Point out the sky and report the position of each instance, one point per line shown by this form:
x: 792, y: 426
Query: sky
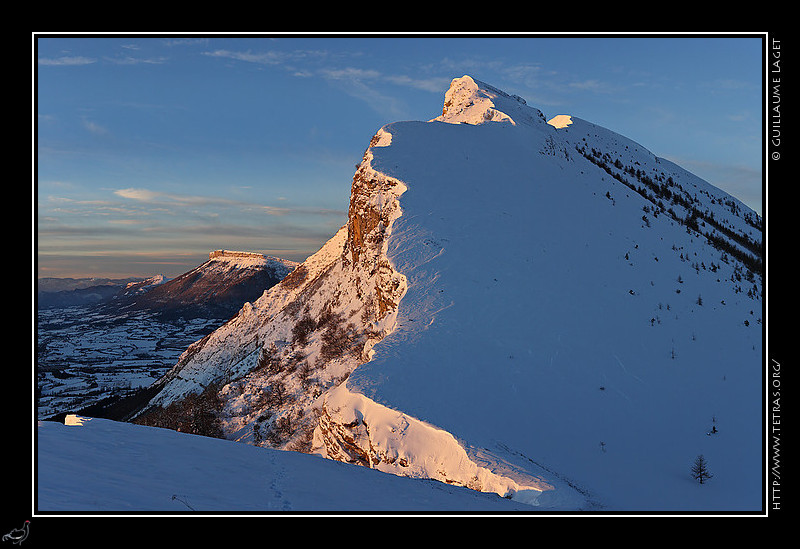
x: 153, y: 150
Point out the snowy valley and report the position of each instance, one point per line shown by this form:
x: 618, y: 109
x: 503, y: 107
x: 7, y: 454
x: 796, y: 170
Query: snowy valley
x: 518, y: 316
x: 99, y: 340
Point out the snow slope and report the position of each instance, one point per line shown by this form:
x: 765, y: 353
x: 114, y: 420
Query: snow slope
x: 94, y: 465
x: 528, y: 312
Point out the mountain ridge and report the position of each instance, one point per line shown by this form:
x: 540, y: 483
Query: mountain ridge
x: 522, y: 286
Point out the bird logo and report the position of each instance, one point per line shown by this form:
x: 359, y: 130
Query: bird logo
x: 18, y: 535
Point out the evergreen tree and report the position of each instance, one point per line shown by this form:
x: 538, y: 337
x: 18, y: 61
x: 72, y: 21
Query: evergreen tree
x: 700, y: 470
x: 257, y: 434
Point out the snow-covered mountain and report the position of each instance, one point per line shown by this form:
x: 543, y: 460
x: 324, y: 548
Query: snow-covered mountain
x: 140, y: 287
x: 53, y: 293
x: 546, y: 311
x: 216, y: 288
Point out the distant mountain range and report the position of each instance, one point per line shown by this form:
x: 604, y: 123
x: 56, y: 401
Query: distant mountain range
x: 70, y: 292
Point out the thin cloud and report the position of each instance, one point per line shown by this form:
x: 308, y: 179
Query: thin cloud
x: 272, y: 210
x: 266, y: 58
x: 350, y: 73
x: 158, y: 197
x: 126, y: 221
x: 364, y: 84
x: 435, y: 85
x: 342, y: 74
x: 354, y: 74
x: 142, y: 195
x: 270, y: 57
x: 66, y: 61
x: 129, y: 60
x: 378, y: 101
x: 593, y: 85
x: 77, y: 60
x: 171, y: 199
x: 65, y: 200
x: 186, y: 41
x: 94, y: 128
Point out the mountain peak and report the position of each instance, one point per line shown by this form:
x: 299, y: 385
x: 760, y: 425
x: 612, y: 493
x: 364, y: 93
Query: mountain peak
x: 471, y: 101
x: 228, y: 260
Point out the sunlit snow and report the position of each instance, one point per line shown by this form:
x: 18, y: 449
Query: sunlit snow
x: 560, y: 121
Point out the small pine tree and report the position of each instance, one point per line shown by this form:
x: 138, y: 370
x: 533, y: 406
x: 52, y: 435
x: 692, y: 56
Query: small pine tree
x: 304, y: 374
x: 278, y: 395
x: 304, y: 327
x: 269, y: 360
x: 700, y: 470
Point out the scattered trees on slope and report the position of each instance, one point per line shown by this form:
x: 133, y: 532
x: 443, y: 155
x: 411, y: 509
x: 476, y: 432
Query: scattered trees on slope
x: 197, y: 414
x: 656, y: 189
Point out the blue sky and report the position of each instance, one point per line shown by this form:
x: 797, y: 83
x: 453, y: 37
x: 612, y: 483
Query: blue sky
x: 151, y: 151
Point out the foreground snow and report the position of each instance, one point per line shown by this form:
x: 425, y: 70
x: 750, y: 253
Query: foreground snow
x: 100, y: 465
